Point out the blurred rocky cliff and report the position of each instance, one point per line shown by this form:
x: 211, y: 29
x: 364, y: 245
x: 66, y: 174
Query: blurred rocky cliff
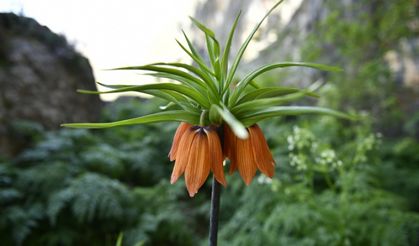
x: 291, y: 37
x: 39, y: 75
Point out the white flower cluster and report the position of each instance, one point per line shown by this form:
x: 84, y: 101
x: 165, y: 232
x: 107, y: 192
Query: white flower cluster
x: 305, y: 152
x: 328, y: 158
x: 300, y: 139
x: 298, y: 161
x: 262, y: 179
x: 366, y: 145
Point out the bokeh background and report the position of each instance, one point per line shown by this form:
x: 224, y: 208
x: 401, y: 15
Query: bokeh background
x: 336, y: 182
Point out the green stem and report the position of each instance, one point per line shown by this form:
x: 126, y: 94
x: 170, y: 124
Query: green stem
x: 215, y: 207
x: 202, y: 118
x: 215, y: 203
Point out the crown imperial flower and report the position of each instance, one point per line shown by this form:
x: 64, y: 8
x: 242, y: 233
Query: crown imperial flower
x: 248, y: 155
x: 209, y: 96
x: 196, y: 150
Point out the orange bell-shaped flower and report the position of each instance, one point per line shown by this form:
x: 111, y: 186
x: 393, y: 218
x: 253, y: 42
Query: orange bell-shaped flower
x: 248, y: 155
x: 196, y: 150
x: 176, y: 139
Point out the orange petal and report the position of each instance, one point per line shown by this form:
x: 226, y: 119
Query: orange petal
x: 229, y: 147
x: 176, y: 139
x: 182, y: 156
x: 245, y: 160
x: 216, y: 156
x: 228, y: 140
x: 198, y: 167
x: 233, y: 167
x: 262, y: 155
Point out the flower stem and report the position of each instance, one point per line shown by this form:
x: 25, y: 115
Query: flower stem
x: 215, y: 207
x: 202, y: 118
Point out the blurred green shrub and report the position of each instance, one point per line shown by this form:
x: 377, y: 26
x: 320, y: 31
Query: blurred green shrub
x: 335, y: 185
x: 80, y: 187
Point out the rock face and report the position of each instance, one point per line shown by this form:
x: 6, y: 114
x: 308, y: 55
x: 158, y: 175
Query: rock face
x: 292, y: 37
x: 39, y: 75
x: 219, y: 15
x: 404, y: 63
x: 404, y: 60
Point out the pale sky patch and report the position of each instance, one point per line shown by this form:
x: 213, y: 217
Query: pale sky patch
x: 114, y: 33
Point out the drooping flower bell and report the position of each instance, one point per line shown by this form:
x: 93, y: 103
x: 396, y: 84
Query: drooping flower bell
x: 196, y: 150
x: 248, y: 155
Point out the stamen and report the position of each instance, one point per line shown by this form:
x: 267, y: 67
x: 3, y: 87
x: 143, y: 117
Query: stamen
x: 194, y: 128
x: 198, y: 129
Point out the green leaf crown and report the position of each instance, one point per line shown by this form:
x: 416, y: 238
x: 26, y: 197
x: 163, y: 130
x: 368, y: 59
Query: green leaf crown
x: 206, y: 93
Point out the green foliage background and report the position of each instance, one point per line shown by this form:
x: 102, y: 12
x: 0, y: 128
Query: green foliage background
x: 336, y: 182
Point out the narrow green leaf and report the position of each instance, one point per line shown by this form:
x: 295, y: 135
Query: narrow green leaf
x: 235, y: 125
x: 192, y: 48
x: 217, y: 69
x: 210, y: 94
x: 119, y: 239
x: 204, y: 76
x: 254, y: 85
x: 211, y: 52
x: 139, y: 243
x: 171, y: 96
x: 213, y: 49
x: 169, y: 105
x: 251, y: 76
x: 254, y: 105
x: 214, y: 116
x: 200, y: 61
x: 271, y: 112
x: 155, y: 93
x: 184, y: 81
x: 175, y: 98
x: 271, y: 92
x: 244, y: 46
x: 174, y: 115
x: 203, y: 28
x: 171, y: 71
x: 112, y: 86
x: 196, y: 58
x: 188, y: 67
x: 184, y: 90
x: 226, y: 97
x: 226, y: 52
